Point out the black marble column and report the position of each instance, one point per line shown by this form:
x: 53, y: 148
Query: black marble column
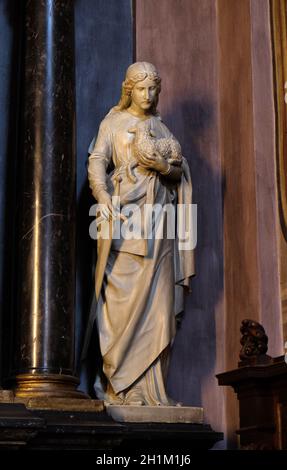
x: 46, y: 259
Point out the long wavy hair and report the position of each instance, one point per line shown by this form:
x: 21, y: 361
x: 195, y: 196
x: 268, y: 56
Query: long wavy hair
x: 130, y: 81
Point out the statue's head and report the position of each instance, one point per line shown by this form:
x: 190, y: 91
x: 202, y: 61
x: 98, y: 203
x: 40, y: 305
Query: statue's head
x: 141, y: 86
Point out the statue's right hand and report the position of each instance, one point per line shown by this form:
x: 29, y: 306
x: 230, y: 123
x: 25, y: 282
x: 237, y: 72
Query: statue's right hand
x: 106, y: 207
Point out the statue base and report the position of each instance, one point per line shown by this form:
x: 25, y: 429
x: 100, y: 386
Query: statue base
x: 155, y: 414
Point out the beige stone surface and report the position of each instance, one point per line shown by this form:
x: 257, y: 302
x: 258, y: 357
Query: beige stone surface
x: 156, y: 414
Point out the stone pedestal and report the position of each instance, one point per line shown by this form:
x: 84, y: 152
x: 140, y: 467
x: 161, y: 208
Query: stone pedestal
x: 156, y: 414
x: 43, y: 429
x: 65, y: 404
x: 53, y: 403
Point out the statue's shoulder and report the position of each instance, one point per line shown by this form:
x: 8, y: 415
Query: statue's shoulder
x: 105, y: 123
x: 104, y: 131
x: 111, y: 118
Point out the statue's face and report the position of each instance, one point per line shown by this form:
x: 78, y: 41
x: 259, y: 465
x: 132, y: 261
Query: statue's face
x: 144, y: 94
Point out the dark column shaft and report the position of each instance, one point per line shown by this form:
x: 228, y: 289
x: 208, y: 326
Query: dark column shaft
x: 46, y: 287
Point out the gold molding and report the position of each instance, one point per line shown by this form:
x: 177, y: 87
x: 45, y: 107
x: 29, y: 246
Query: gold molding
x: 278, y: 10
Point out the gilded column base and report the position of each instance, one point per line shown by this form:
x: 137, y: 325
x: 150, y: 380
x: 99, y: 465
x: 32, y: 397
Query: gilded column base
x: 47, y: 386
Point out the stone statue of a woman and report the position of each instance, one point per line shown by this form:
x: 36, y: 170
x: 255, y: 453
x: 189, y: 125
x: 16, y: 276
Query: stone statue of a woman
x: 139, y: 282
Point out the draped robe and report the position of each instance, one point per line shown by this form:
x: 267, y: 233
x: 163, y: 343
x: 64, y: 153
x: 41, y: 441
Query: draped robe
x: 142, y: 289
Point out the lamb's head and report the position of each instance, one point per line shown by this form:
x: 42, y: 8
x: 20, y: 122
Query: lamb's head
x: 144, y: 141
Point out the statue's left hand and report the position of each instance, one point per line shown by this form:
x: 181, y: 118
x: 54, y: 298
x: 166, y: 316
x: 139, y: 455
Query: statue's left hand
x: 154, y: 162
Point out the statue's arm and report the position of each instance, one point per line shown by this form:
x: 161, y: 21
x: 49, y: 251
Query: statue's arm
x: 99, y: 160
